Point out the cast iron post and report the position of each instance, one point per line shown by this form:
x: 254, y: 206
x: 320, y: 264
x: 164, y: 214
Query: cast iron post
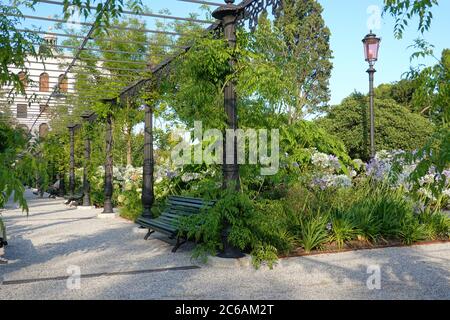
x: 371, y: 71
x: 147, y: 170
x: 107, y: 206
x: 71, y: 128
x: 88, y: 117
x: 228, y: 14
x: 86, y: 183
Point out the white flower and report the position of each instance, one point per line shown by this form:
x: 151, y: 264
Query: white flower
x: 426, y: 179
x: 426, y: 193
x: 128, y: 186
x: 121, y: 198
x: 358, y: 163
x: 342, y: 181
x: 320, y: 159
x: 190, y: 176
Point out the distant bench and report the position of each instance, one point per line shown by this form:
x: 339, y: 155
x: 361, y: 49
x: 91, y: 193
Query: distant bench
x: 168, y: 221
x: 78, y: 197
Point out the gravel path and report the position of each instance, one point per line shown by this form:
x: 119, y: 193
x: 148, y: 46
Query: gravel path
x: 116, y: 263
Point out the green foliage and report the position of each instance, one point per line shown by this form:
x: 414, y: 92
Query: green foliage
x: 257, y: 228
x: 199, y: 77
x: 298, y: 138
x: 435, y: 154
x: 342, y: 229
x: 132, y: 205
x: 368, y: 212
x: 432, y: 94
x: 395, y: 126
x: 437, y: 224
x: 306, y: 56
x: 274, y: 73
x: 404, y: 10
x: 3, y: 230
x: 412, y: 231
x: 312, y: 233
x: 401, y: 92
x: 103, y: 12
x: 12, y: 142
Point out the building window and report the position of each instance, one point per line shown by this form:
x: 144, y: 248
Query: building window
x: 23, y: 78
x: 63, y: 83
x: 43, y: 82
x: 43, y: 130
x: 43, y: 108
x: 22, y: 110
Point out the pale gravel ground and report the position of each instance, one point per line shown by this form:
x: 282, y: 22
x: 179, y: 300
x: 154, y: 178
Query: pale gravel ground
x: 54, y: 238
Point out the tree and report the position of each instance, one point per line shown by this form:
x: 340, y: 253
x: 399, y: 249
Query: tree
x: 396, y: 127
x: 287, y: 63
x: 306, y: 56
x: 401, y: 92
x: 432, y: 94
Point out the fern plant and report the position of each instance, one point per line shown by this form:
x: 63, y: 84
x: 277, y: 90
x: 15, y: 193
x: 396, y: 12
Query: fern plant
x: 254, y: 228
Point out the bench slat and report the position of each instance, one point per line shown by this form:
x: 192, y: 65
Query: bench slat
x: 170, y: 220
x: 189, y: 199
x: 154, y: 223
x: 176, y: 207
x: 167, y: 226
x: 185, y: 204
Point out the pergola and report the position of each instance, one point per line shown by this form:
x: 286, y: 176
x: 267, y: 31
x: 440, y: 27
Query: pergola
x: 228, y: 15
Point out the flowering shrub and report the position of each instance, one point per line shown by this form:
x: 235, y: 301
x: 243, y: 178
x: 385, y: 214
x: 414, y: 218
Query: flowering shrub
x: 387, y: 168
x: 329, y: 172
x: 392, y: 168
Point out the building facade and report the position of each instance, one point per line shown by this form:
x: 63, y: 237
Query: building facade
x: 46, y: 87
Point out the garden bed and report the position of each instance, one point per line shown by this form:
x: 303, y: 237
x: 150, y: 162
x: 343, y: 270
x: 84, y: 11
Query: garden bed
x: 356, y: 246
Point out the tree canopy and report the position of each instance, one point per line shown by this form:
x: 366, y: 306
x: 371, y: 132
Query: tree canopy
x: 396, y: 127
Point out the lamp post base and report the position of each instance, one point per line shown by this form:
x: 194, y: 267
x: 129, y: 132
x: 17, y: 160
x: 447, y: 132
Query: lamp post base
x: 229, y: 251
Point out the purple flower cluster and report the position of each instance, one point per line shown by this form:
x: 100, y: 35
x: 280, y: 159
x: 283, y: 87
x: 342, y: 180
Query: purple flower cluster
x: 379, y: 169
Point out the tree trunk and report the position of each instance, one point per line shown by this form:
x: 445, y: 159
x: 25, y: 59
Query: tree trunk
x: 129, y: 146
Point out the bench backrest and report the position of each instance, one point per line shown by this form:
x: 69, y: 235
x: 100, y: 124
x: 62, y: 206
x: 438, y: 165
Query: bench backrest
x: 183, y: 206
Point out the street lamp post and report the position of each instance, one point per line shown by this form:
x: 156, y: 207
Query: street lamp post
x: 371, y: 45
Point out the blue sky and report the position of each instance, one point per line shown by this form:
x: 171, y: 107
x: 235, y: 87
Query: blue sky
x: 347, y: 20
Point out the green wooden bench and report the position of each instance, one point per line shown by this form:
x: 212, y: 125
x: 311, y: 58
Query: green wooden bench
x: 77, y: 197
x: 168, y: 221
